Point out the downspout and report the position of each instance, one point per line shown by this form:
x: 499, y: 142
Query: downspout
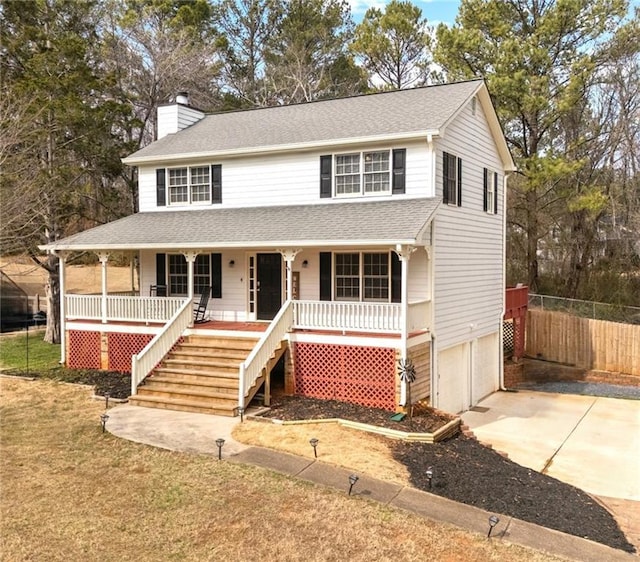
x: 504, y: 282
x: 432, y: 272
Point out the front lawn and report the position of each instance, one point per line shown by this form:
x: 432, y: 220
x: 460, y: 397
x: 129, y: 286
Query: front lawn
x: 27, y: 350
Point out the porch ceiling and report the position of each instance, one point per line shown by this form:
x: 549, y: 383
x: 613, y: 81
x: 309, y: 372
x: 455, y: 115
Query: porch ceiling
x: 361, y: 223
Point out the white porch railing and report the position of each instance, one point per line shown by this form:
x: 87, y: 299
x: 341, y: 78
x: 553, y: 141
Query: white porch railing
x: 122, y: 308
x: 419, y: 316
x: 252, y: 367
x: 353, y: 316
x: 143, y: 363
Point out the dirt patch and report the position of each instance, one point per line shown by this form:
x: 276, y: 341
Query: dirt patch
x: 468, y: 472
x: 289, y: 408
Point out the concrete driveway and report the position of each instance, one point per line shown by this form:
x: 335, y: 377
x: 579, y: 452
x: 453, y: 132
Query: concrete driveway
x: 590, y: 442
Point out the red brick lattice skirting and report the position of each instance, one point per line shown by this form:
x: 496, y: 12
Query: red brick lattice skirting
x: 124, y: 346
x: 84, y: 350
x: 360, y: 375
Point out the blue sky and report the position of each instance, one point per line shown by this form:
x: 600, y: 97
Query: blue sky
x: 435, y: 11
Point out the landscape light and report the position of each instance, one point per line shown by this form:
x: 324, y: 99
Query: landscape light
x: 241, y: 412
x: 314, y: 443
x: 103, y: 419
x: 219, y: 443
x: 106, y: 400
x: 352, y: 480
x: 493, y: 521
x: 429, y: 475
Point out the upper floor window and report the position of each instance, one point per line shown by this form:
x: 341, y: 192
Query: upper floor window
x: 193, y: 185
x: 451, y: 179
x: 363, y: 173
x: 189, y: 185
x: 490, y: 191
x: 376, y: 172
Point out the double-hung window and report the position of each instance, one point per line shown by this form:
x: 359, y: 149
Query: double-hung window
x: 490, y: 191
x: 206, y: 273
x: 189, y: 185
x: 363, y: 173
x: 362, y: 276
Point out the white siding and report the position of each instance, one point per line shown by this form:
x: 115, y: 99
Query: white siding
x: 469, y: 282
x: 285, y: 179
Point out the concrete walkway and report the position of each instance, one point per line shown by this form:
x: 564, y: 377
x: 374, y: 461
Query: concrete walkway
x: 590, y: 442
x: 196, y: 433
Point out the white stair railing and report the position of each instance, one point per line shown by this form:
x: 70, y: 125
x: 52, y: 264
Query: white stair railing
x: 143, y: 363
x: 251, y: 368
x: 352, y: 316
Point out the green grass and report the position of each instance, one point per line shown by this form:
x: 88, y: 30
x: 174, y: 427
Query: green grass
x: 28, y: 351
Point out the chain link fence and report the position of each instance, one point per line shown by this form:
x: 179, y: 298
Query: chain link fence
x: 587, y: 309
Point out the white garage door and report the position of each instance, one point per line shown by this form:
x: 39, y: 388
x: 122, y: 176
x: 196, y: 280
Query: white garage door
x: 486, y: 368
x: 453, y: 378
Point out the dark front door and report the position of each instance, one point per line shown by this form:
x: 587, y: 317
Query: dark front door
x: 269, y: 285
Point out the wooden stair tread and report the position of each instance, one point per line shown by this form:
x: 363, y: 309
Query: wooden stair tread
x: 213, y: 382
x: 199, y: 393
x: 233, y: 375
x: 224, y: 408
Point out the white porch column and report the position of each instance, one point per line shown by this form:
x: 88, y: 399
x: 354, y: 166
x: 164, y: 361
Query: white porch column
x: 62, y: 258
x: 289, y: 255
x: 104, y: 258
x: 404, y: 253
x: 191, y: 258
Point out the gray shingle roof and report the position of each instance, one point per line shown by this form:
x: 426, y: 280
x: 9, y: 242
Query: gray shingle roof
x: 383, y: 114
x: 385, y: 222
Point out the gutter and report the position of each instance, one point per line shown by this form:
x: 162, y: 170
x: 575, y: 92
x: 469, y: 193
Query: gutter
x: 504, y: 280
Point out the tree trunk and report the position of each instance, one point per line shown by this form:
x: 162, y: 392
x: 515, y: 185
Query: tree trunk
x: 52, y: 292
x: 532, y: 239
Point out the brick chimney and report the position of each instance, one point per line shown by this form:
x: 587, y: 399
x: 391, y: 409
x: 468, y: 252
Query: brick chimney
x: 178, y: 115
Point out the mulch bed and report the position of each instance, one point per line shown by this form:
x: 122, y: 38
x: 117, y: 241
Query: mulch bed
x: 466, y: 471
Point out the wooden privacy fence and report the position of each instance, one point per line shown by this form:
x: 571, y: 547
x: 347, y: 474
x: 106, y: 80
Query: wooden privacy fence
x: 583, y: 342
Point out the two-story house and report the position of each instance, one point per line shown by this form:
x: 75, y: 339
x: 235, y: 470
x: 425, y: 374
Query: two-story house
x: 342, y: 235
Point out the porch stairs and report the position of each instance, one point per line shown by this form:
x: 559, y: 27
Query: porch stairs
x: 201, y: 374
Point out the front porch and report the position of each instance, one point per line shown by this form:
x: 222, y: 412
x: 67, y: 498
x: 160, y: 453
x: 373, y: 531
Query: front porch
x: 332, y: 349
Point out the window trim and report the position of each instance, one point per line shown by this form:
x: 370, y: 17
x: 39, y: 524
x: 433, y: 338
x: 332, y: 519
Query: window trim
x: 362, y: 277
x: 491, y: 180
x: 362, y: 173
x: 207, y: 278
x: 189, y: 185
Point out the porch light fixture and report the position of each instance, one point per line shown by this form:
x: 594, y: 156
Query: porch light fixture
x: 219, y: 443
x: 314, y: 443
x: 232, y: 263
x: 493, y: 521
x: 305, y: 264
x: 429, y: 474
x: 352, y: 481
x: 103, y: 420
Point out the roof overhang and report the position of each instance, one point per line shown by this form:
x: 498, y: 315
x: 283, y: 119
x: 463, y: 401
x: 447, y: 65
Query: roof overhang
x: 381, y: 223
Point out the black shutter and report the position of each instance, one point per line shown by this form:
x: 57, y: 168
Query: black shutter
x: 216, y: 183
x: 495, y: 193
x: 326, y: 165
x: 161, y: 188
x: 396, y: 278
x: 399, y: 164
x: 161, y: 275
x: 216, y: 276
x: 325, y: 276
x: 459, y: 182
x: 445, y: 177
x: 486, y: 189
